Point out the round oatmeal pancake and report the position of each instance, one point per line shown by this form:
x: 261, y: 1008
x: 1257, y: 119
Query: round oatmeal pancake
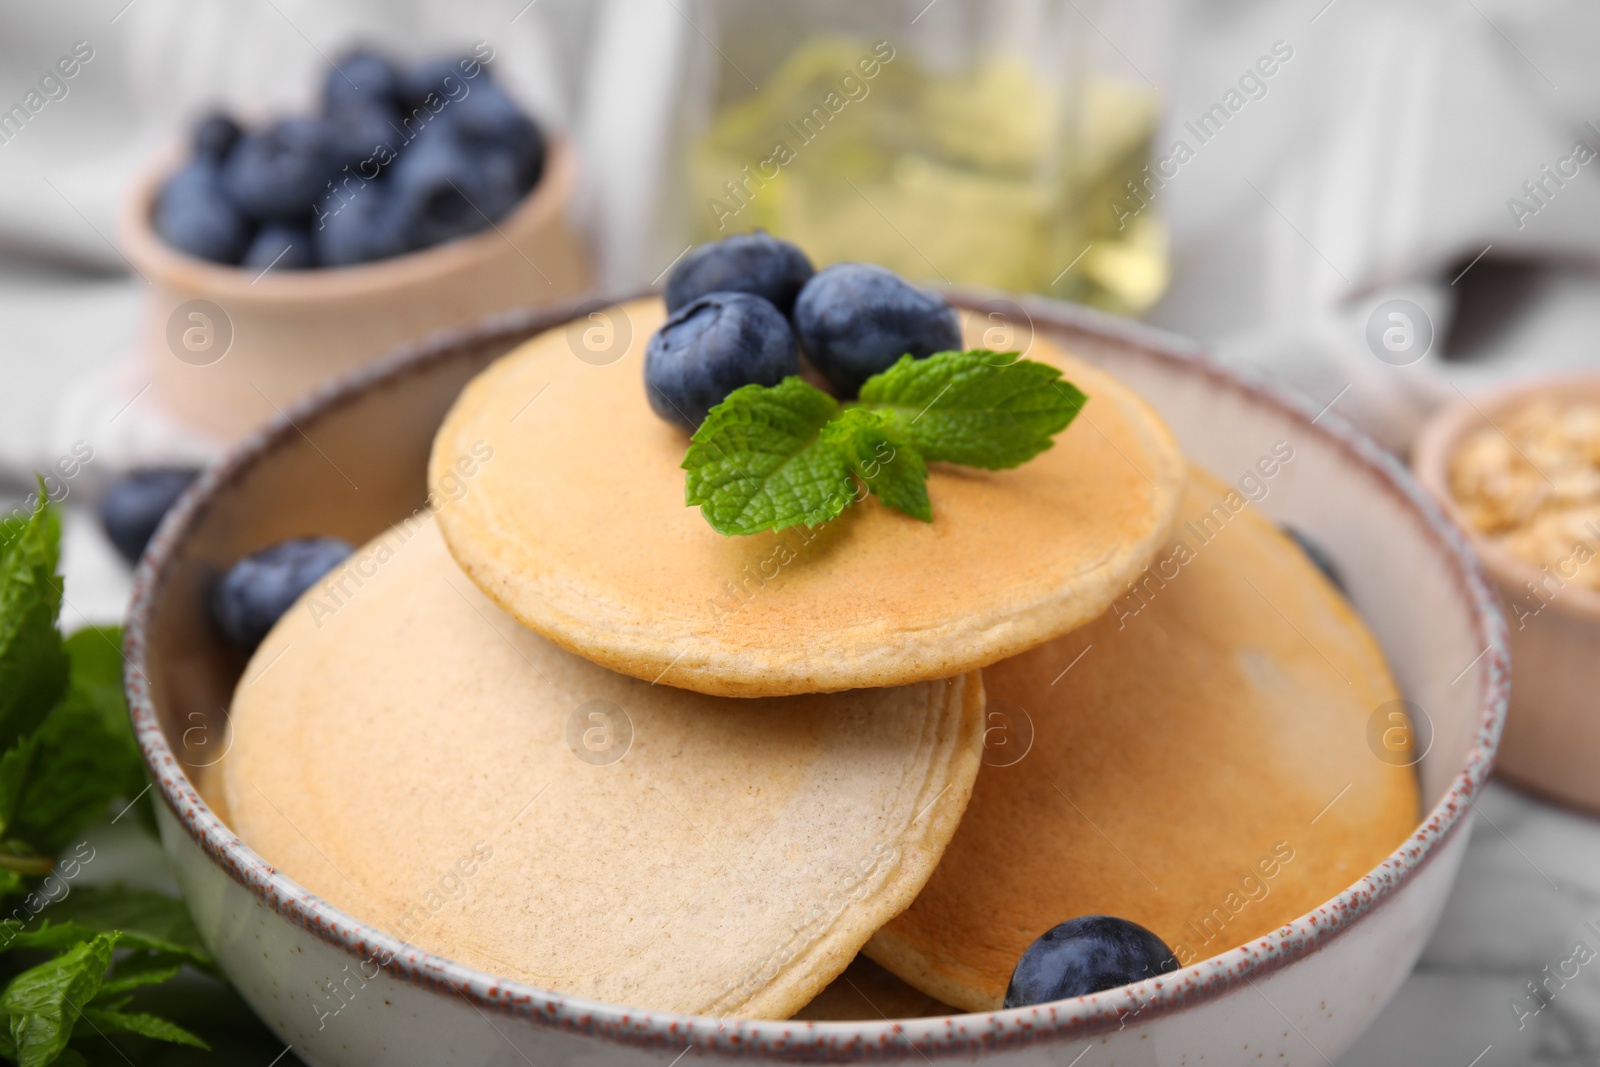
x: 404, y: 750
x: 1197, y: 760
x: 576, y: 526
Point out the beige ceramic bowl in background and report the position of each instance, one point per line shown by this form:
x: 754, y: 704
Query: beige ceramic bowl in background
x: 1552, y: 738
x: 226, y: 348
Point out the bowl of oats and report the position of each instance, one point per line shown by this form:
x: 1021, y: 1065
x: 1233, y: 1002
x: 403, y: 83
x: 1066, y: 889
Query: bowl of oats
x: 1519, y: 469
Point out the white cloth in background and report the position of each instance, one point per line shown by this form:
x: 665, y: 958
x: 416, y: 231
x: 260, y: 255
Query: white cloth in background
x: 1378, y: 165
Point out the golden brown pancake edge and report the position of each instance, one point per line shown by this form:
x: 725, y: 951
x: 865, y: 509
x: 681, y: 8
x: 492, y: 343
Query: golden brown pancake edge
x: 577, y: 527
x: 395, y: 726
x: 1204, y: 770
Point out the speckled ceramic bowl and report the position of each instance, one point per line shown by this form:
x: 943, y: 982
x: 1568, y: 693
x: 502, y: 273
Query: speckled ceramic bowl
x: 350, y: 461
x: 1552, y: 740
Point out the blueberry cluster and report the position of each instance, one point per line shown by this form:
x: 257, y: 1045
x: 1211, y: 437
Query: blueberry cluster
x: 401, y: 158
x: 743, y: 309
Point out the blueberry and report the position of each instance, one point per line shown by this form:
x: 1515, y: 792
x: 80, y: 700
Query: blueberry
x: 360, y: 136
x: 281, y: 246
x: 710, y: 347
x: 441, y: 77
x: 135, y: 502
x: 278, y: 173
x: 195, y: 214
x: 1087, y: 955
x: 443, y: 189
x: 487, y: 120
x: 358, y: 224
x: 1318, y: 556
x: 855, y: 320
x: 756, y: 263
x: 257, y: 590
x: 215, y: 136
x: 361, y: 78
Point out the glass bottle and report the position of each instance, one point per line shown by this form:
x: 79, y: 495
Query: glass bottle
x: 998, y: 143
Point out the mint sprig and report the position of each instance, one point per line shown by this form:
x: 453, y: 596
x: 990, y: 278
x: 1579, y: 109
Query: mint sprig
x: 67, y: 760
x: 770, y: 457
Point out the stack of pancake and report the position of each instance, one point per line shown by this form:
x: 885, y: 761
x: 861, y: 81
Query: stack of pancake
x: 557, y: 727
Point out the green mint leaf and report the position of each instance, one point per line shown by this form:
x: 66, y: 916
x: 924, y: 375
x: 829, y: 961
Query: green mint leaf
x: 62, y: 777
x: 977, y: 408
x: 33, y: 667
x: 141, y: 918
x: 789, y: 455
x: 16, y: 766
x: 135, y: 972
x: 94, y: 655
x: 758, y: 461
x: 882, y: 458
x: 53, y: 936
x: 43, y: 1002
x: 143, y: 1024
x: 95, y: 686
x: 86, y: 979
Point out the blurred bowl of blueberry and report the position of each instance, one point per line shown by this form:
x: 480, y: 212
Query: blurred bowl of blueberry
x: 280, y: 252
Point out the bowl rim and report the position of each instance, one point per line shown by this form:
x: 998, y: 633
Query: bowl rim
x: 153, y: 258
x: 952, y: 1036
x: 1435, y: 445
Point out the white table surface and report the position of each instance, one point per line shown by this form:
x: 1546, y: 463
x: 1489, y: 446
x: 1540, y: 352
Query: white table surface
x: 1528, y: 886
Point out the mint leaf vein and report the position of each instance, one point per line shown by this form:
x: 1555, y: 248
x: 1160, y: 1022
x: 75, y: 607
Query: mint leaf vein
x: 767, y: 458
x: 978, y: 408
